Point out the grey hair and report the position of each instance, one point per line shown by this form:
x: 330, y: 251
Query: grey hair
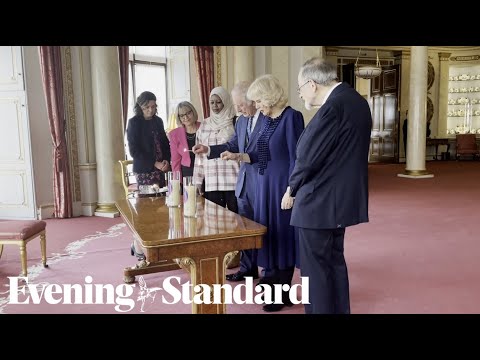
x: 241, y: 88
x: 267, y: 88
x: 319, y: 70
x: 185, y: 104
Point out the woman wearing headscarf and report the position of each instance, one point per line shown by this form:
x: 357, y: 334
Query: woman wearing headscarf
x: 220, y: 176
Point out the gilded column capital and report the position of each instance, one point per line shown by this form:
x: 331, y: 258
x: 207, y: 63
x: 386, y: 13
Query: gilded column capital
x: 443, y: 56
x: 331, y: 52
x: 406, y: 55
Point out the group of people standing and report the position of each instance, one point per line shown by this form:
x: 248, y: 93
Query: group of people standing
x: 305, y: 184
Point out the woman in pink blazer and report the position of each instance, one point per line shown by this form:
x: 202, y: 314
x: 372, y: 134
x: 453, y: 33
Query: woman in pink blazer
x: 183, y: 138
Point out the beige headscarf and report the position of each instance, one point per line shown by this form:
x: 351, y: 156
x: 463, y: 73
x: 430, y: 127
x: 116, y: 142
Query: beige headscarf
x: 225, y: 116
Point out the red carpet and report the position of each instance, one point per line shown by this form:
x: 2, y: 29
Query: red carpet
x: 418, y: 254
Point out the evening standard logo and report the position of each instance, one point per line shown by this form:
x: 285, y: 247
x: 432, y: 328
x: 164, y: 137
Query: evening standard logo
x: 122, y: 296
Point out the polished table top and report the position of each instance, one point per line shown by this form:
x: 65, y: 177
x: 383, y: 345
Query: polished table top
x: 158, y: 225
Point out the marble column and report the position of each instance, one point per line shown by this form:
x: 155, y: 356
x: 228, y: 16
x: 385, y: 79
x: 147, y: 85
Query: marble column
x: 107, y: 117
x: 82, y: 91
x: 443, y: 93
x: 417, y: 115
x: 244, y: 60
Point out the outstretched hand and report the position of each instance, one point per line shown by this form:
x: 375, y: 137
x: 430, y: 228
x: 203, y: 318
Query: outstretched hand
x: 227, y: 155
x: 199, y: 149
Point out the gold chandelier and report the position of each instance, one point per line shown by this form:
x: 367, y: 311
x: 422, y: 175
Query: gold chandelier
x: 367, y: 71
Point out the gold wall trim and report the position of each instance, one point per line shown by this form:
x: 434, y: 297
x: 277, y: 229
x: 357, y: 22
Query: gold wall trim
x: 84, y: 105
x: 71, y: 122
x: 465, y: 58
x: 444, y: 56
x: 89, y: 204
x: 84, y: 167
x: 218, y: 65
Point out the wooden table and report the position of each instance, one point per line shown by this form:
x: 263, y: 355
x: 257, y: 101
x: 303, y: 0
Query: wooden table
x: 202, y: 245
x: 436, y: 142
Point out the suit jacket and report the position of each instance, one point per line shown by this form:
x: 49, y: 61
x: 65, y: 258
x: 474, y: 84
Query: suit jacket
x: 178, y: 142
x: 330, y: 178
x: 238, y: 144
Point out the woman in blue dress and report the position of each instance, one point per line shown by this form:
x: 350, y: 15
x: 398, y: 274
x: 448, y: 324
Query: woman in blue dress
x: 275, y: 155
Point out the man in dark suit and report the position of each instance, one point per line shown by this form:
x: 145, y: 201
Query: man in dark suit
x: 328, y: 187
x: 247, y: 129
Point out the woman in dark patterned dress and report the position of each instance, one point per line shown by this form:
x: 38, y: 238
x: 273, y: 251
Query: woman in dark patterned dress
x: 149, y: 147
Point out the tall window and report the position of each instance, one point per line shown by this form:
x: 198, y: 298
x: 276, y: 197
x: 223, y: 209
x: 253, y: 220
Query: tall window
x: 147, y: 72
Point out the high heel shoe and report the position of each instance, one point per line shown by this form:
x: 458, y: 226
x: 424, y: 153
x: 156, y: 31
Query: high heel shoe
x: 139, y: 256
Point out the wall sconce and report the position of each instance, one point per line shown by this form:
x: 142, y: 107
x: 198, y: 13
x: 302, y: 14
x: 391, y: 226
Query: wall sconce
x: 367, y: 71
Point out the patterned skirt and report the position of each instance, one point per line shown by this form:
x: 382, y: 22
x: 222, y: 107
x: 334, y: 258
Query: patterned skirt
x: 154, y: 177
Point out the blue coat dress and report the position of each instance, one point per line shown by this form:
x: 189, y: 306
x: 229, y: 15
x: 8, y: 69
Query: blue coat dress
x: 279, y: 244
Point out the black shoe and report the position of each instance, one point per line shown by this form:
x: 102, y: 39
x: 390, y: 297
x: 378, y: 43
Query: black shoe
x: 139, y: 256
x: 240, y: 276
x: 278, y: 307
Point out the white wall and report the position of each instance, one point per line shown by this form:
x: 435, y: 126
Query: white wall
x: 40, y: 133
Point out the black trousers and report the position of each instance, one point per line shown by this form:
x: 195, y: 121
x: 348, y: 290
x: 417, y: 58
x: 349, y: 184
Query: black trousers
x: 322, y: 260
x: 248, y: 258
x: 223, y: 198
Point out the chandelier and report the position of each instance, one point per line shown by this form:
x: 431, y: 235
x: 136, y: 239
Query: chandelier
x: 367, y: 71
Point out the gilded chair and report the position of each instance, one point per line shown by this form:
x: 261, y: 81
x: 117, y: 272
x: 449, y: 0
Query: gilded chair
x: 467, y: 145
x: 126, y: 172
x: 20, y: 232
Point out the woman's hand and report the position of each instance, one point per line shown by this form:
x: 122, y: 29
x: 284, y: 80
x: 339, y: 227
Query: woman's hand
x: 287, y: 200
x: 162, y: 165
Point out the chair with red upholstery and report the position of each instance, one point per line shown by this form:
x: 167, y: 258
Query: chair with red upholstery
x: 20, y: 232
x: 467, y: 145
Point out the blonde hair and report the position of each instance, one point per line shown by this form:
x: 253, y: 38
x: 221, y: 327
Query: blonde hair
x: 185, y: 104
x: 268, y: 90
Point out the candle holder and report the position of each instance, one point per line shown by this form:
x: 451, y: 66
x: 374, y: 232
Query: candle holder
x: 189, y: 197
x: 173, y: 189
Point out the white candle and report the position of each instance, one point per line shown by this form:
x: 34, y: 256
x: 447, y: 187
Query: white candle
x: 189, y: 200
x: 174, y: 196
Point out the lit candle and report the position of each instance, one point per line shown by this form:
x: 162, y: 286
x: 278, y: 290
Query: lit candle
x: 189, y: 197
x: 174, y: 188
x: 175, y: 193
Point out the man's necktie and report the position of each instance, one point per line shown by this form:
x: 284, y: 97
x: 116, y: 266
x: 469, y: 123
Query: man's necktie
x: 249, y: 127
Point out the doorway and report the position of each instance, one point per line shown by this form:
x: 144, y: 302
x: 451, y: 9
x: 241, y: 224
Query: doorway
x: 384, y: 102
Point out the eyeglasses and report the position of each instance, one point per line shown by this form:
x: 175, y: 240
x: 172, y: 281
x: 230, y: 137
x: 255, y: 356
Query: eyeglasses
x: 184, y: 116
x: 299, y: 87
